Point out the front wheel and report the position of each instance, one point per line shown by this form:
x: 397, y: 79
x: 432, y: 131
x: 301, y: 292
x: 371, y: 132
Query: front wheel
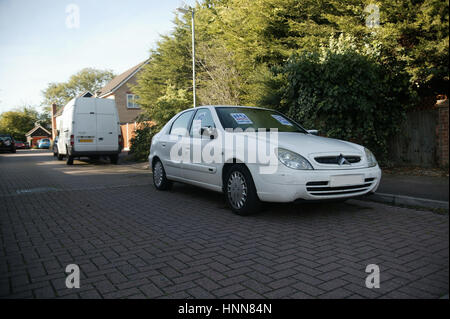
x: 240, y: 191
x: 159, y: 177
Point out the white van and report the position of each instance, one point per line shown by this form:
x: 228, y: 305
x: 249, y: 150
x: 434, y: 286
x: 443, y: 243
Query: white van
x: 89, y: 127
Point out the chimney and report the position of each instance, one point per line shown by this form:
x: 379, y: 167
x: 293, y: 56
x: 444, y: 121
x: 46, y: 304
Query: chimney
x: 53, y: 121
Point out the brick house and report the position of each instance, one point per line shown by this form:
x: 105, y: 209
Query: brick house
x: 119, y: 89
x: 37, y: 133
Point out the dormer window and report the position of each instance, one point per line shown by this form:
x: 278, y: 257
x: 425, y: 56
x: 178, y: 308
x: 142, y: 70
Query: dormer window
x: 132, y: 101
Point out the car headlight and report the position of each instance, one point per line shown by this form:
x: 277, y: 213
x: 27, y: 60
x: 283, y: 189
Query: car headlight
x: 292, y: 160
x: 371, y: 160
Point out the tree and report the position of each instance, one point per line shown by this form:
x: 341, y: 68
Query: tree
x: 18, y: 122
x: 153, y: 119
x: 168, y: 105
x: 239, y: 42
x: 169, y: 65
x: 344, y: 93
x: 88, y: 79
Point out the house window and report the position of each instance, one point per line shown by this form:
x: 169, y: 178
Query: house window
x: 132, y: 101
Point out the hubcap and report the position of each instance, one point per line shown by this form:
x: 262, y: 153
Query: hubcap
x: 237, y: 190
x: 158, y: 173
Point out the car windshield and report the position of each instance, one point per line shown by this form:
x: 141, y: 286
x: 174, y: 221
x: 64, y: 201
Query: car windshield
x: 244, y: 118
x: 45, y: 141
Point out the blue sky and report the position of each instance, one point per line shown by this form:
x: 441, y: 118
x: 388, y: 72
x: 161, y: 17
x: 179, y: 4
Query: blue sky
x: 37, y: 47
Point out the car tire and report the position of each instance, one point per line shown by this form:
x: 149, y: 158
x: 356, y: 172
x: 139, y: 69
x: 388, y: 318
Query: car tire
x: 69, y: 160
x: 114, y: 159
x: 159, y: 177
x: 13, y: 150
x: 240, y: 191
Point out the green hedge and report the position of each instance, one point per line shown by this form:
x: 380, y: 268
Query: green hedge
x: 345, y: 95
x: 140, y: 143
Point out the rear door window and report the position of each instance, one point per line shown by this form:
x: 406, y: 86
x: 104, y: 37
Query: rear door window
x: 181, y: 125
x: 202, y: 119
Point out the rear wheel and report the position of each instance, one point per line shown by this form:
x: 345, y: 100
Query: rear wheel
x: 13, y: 150
x: 240, y: 191
x: 159, y: 177
x: 69, y: 158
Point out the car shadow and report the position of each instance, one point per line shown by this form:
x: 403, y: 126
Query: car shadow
x: 273, y: 210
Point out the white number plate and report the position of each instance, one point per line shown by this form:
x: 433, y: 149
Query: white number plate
x: 346, y: 180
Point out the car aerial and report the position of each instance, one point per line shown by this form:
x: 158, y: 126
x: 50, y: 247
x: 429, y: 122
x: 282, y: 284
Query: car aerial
x: 20, y: 145
x: 44, y: 143
x: 7, y: 143
x: 257, y: 155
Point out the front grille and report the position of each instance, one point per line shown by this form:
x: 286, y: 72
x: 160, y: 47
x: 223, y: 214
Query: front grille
x: 334, y: 160
x: 320, y: 188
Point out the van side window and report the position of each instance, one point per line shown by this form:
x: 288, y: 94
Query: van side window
x: 181, y: 125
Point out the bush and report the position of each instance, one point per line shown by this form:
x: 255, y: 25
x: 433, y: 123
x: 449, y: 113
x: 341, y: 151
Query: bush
x: 140, y: 143
x: 345, y: 95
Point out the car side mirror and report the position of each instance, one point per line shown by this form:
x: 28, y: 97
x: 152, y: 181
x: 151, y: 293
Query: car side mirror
x: 313, y: 132
x: 208, y: 132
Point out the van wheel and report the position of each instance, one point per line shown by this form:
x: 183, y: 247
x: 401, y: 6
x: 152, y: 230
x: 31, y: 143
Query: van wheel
x: 240, y: 191
x: 69, y: 160
x: 159, y: 177
x: 114, y: 159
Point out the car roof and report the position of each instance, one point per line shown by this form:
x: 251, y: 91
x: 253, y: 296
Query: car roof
x: 228, y: 106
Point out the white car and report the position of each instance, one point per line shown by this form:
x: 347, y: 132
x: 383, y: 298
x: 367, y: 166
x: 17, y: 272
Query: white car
x: 230, y: 149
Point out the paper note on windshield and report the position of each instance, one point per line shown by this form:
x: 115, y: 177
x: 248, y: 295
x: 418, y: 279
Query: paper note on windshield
x: 241, y: 118
x: 281, y: 119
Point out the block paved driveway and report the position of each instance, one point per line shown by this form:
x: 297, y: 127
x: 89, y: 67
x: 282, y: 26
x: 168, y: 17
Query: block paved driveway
x: 131, y: 241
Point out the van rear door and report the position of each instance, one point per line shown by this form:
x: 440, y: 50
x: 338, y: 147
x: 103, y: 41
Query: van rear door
x: 85, y: 127
x: 107, y: 125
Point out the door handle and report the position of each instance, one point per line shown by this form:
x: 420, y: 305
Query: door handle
x: 100, y: 138
x: 163, y: 144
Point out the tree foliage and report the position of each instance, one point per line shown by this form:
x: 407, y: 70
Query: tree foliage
x: 367, y: 109
x: 88, y: 79
x: 140, y: 142
x: 18, y: 122
x: 255, y: 52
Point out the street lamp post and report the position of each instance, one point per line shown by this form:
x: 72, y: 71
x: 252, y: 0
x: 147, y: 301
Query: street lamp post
x: 192, y: 11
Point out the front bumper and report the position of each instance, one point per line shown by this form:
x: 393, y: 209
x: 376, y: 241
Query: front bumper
x: 288, y: 185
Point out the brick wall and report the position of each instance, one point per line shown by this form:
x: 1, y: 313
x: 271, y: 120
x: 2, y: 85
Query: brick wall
x: 129, y: 131
x: 442, y: 132
x: 126, y: 115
